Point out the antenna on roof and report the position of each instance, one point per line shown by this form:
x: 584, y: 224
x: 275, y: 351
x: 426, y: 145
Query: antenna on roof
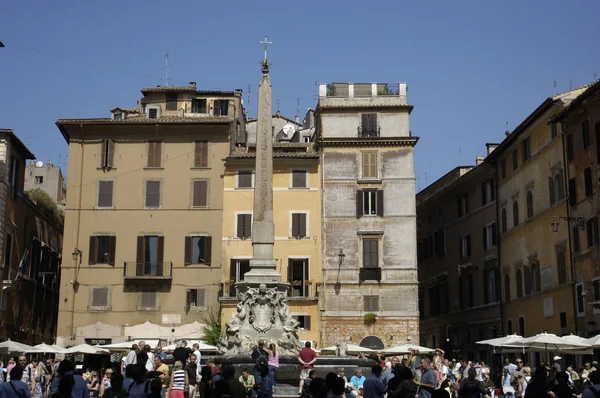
x: 571, y: 85
x: 167, y: 69
x: 298, y: 108
x: 554, y: 89
x: 315, y: 91
x: 277, y: 104
x: 248, y: 105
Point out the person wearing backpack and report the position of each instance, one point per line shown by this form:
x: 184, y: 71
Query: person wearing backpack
x: 15, y: 388
x: 471, y: 387
x: 140, y: 388
x: 261, y: 370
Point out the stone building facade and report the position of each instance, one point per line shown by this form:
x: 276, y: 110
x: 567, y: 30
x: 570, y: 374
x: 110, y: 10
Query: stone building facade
x: 459, y: 275
x: 144, y: 215
x: 579, y: 123
x: 47, y: 177
x: 368, y: 215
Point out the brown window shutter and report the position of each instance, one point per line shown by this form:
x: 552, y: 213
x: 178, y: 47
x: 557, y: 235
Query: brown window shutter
x: 207, y: 250
x: 151, y: 152
x: 307, y: 322
x: 373, y: 165
x: 111, y: 153
x: 359, y: 203
x: 200, y: 193
x: 551, y: 189
x: 140, y: 256
x: 366, y: 254
x: 198, y: 154
x: 204, y: 153
x: 152, y: 193
x: 380, y: 203
x: 92, y: 255
x: 374, y: 253
x: 299, y: 179
x: 247, y: 225
x: 188, y: 251
x: 111, y: 250
x: 365, y: 120
x: 373, y: 117
x: 103, y: 154
x: 290, y: 270
x: 302, y: 225
x: 484, y: 234
x: 366, y: 166
x: 294, y: 224
x: 240, y: 225
x: 161, y: 250
x: 157, y: 154
x: 232, y: 276
x: 200, y: 301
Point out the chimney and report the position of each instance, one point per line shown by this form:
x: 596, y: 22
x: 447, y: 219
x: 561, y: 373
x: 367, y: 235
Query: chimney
x: 192, y: 84
x: 478, y: 160
x: 49, y: 163
x: 490, y: 147
x: 297, y: 119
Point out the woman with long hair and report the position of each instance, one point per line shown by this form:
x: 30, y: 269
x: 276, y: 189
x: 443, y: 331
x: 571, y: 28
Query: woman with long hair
x: 106, y: 381
x: 93, y: 384
x: 35, y: 378
x: 273, y: 362
x: 179, y: 381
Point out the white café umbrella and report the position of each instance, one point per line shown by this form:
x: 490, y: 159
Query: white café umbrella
x: 13, y: 346
x: 545, y: 342
x: 594, y: 341
x: 578, y: 340
x: 501, y: 342
x: 85, y: 349
x: 58, y: 347
x: 350, y: 349
x: 203, y: 347
x: 44, y: 349
x: 124, y: 346
x: 407, y: 348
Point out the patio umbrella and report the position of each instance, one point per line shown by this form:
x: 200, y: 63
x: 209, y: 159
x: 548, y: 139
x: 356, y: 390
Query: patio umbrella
x: 594, y: 341
x: 501, y: 342
x: 58, y: 347
x: 13, y: 346
x: 44, y: 349
x: 124, y: 346
x: 203, y: 347
x: 406, y: 349
x: 545, y: 342
x: 578, y: 340
x: 85, y: 349
x: 350, y: 349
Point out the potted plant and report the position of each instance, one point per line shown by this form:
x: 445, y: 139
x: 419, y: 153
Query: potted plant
x: 370, y: 318
x: 331, y: 90
x: 297, y: 283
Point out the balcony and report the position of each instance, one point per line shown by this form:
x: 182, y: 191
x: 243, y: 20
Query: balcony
x: 299, y: 291
x: 370, y: 275
x: 366, y: 132
x: 147, y: 271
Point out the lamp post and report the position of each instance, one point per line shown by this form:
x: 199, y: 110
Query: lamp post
x: 341, y: 256
x: 577, y: 221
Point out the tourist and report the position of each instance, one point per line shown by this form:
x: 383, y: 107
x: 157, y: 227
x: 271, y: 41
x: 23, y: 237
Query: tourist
x: 140, y: 388
x: 181, y: 353
x: 307, y: 358
x: 556, y: 365
x: 192, y: 371
x: 204, y: 388
x: 356, y: 382
x: 538, y: 387
x: 34, y: 375
x: 594, y: 389
x: 312, y: 374
x: 93, y: 384
x: 156, y: 388
x: 273, y: 362
x: 179, y: 381
x: 116, y: 389
x: 15, y: 388
x: 158, y: 352
x: 388, y: 374
x: 373, y: 387
x: 318, y: 388
x: 162, y: 372
x: 66, y: 387
x: 105, y: 381
x: 337, y: 389
x: 427, y: 380
x: 131, y: 357
x: 575, y: 379
x: 128, y: 377
x: 229, y: 386
x: 471, y: 387
x: 562, y: 388
x: 248, y: 381
x: 196, y: 352
x: 415, y: 363
x: 66, y: 368
x: 402, y: 384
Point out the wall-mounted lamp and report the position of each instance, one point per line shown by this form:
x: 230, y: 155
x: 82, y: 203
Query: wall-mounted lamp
x: 577, y: 221
x: 76, y: 253
x: 341, y: 256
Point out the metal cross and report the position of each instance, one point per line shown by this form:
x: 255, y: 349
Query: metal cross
x: 266, y: 43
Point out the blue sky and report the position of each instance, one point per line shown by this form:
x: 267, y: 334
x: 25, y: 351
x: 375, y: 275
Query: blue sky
x: 471, y: 66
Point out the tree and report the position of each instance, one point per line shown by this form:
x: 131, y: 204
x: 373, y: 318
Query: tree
x: 48, y: 206
x: 212, y: 330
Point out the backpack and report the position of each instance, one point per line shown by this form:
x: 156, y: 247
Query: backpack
x: 261, y: 359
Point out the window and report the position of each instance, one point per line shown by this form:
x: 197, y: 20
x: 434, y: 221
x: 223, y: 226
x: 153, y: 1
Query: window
x: 515, y: 159
x: 570, y: 153
x: 526, y: 149
x: 152, y: 194
x: 370, y: 270
x: 14, y: 177
x: 199, y: 105
x: 503, y: 220
x: 509, y: 328
x: 147, y: 301
x: 299, y: 178
x: 466, y: 291
x: 428, y: 247
x: 199, y: 193
x: 515, y: 213
x: 369, y: 126
x: 201, y: 154
x: 563, y: 320
x: 506, y: 287
x: 489, y: 236
x: 198, y: 250
x: 99, y: 298
x: 561, y: 264
x: 245, y: 179
x: 519, y: 281
x: 596, y: 288
x: 105, y: 194
x: 369, y: 164
x: 591, y: 227
x: 244, y: 226
x: 369, y: 202
x: 237, y: 269
x: 150, y: 253
x: 8, y: 251
x: 488, y: 194
x: 522, y: 327
x: 576, y: 241
x: 370, y: 303
x: 195, y: 298
x: 597, y: 128
x: 503, y: 168
x: 556, y: 187
x: 102, y: 250
x: 107, y: 154
x: 529, y: 204
x: 587, y: 177
x: 171, y: 102
x: 580, y: 299
x: 154, y: 154
x: 585, y: 133
x: 118, y: 116
x: 221, y: 107
x: 39, y: 179
x: 491, y: 282
x: 303, y: 321
x: 440, y: 242
x: 299, y: 225
x: 463, y: 205
x: 153, y: 113
x: 298, y: 277
x: 553, y: 130
x: 465, y: 247
x: 572, y: 192
x: 535, y: 277
x: 527, y: 280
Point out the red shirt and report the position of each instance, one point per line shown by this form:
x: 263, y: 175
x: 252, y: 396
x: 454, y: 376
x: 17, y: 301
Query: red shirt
x: 307, y: 355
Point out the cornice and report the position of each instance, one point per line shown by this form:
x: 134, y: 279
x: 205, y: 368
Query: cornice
x: 369, y: 142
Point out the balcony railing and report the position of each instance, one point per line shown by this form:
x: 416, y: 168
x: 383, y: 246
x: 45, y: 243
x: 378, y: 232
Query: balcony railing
x: 307, y: 290
x: 362, y: 90
x: 147, y: 270
x: 370, y: 274
x: 365, y: 132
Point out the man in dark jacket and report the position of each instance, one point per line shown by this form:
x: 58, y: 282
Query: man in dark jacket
x: 229, y: 386
x: 471, y: 387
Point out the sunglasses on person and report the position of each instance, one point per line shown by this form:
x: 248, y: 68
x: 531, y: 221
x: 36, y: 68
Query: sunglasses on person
x: 519, y: 362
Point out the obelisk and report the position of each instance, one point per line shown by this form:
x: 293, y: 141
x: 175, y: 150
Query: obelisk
x: 263, y: 267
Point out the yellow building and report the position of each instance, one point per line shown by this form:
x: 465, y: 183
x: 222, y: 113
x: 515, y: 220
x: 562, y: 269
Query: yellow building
x: 296, y: 214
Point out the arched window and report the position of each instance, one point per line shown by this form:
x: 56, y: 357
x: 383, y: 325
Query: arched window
x: 522, y: 327
x: 519, y: 283
x: 507, y: 288
x: 509, y: 330
x: 561, y: 263
x: 529, y: 204
x: 527, y: 280
x: 515, y: 213
x: 503, y: 220
x: 433, y: 341
x: 535, y: 277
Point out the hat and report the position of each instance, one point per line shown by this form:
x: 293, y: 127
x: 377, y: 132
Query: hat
x: 557, y: 358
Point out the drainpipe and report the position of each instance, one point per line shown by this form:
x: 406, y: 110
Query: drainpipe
x: 499, y: 248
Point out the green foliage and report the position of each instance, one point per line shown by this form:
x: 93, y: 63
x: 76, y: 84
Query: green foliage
x: 370, y: 318
x: 385, y: 90
x: 212, y: 330
x: 331, y: 90
x: 47, y: 205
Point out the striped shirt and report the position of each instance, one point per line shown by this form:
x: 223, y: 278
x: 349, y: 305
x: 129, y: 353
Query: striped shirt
x: 179, y: 380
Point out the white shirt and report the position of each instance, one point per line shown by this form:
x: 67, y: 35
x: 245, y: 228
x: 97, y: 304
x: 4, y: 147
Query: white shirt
x: 150, y: 362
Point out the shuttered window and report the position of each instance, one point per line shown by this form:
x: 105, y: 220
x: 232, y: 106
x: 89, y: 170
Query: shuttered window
x: 152, y: 194
x: 369, y: 164
x: 245, y: 179
x: 150, y: 256
x: 200, y: 193
x: 99, y: 297
x: 154, y: 154
x: 369, y: 125
x: 299, y: 178
x: 199, y: 105
x: 201, y: 154
x: 196, y: 298
x: 370, y: 253
x: 370, y: 303
x: 198, y: 250
x: 147, y: 300
x: 171, y: 102
x: 102, y: 250
x: 220, y: 107
x: 299, y: 225
x: 105, y: 194
x: 303, y: 320
x: 369, y: 202
x: 107, y: 155
x: 244, y: 226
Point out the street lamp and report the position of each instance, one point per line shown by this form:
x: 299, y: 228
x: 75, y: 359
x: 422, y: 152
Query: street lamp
x: 577, y: 221
x: 76, y: 253
x: 341, y: 256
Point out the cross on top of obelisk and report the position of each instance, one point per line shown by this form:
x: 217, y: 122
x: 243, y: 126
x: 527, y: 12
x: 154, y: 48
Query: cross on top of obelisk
x: 265, y: 62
